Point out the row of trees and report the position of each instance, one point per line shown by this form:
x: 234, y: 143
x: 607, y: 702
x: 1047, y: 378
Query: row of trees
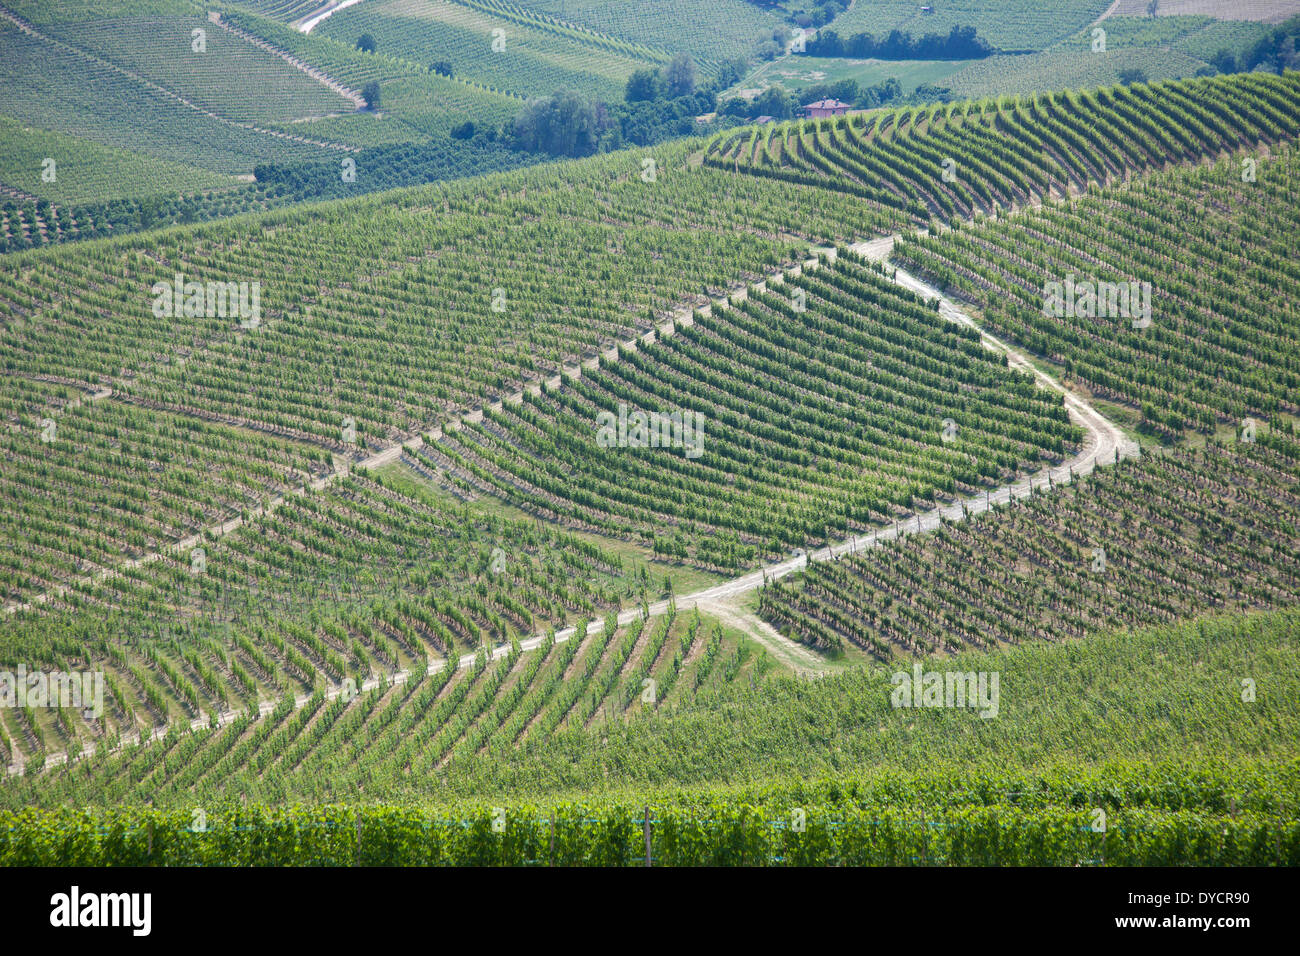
x: 658, y: 104
x: 1275, y: 51
x: 961, y: 43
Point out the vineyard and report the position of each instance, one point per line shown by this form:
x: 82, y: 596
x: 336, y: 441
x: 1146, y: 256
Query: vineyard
x: 286, y: 10
x: 1155, y: 48
x: 800, y: 439
x: 369, y: 579
x: 429, y: 723
x: 1214, y: 245
x: 1148, y: 542
x: 950, y: 161
x: 350, y: 294
x: 707, y: 29
x: 419, y: 501
x: 95, y: 171
x: 953, y: 161
x: 88, y: 171
x: 1059, y: 67
x: 95, y: 484
x: 169, y: 429
x: 217, y: 77
x: 55, y: 86
x: 339, y: 59
x: 495, y: 46
x: 1197, y: 35
x: 148, y: 124
x: 50, y: 12
x: 1081, y: 726
x: 717, y: 832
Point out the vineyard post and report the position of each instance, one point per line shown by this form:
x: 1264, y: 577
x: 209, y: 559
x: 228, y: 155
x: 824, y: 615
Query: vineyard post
x: 645, y: 827
x: 552, y: 860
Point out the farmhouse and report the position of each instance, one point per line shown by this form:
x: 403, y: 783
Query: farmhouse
x: 825, y: 108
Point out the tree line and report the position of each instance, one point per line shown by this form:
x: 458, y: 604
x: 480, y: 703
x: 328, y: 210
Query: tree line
x: 657, y: 105
x: 961, y: 43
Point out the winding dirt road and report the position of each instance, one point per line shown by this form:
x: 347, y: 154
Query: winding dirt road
x: 1104, y: 444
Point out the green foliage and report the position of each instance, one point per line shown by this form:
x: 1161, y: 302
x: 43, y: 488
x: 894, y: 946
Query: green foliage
x: 1213, y: 243
x: 59, y: 86
x: 710, y: 30
x: 1123, y: 547
x: 787, y: 430
x: 564, y: 124
x: 1006, y: 24
x: 538, y: 56
x: 716, y: 832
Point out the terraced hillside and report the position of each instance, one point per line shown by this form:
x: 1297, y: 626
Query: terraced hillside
x: 430, y: 722
x: 91, y: 361
x: 496, y: 45
x: 786, y: 431
x: 951, y: 161
x: 1150, y: 542
x: 366, y: 577
x: 375, y: 323
x: 1214, y: 247
x: 708, y: 29
x: 367, y: 540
